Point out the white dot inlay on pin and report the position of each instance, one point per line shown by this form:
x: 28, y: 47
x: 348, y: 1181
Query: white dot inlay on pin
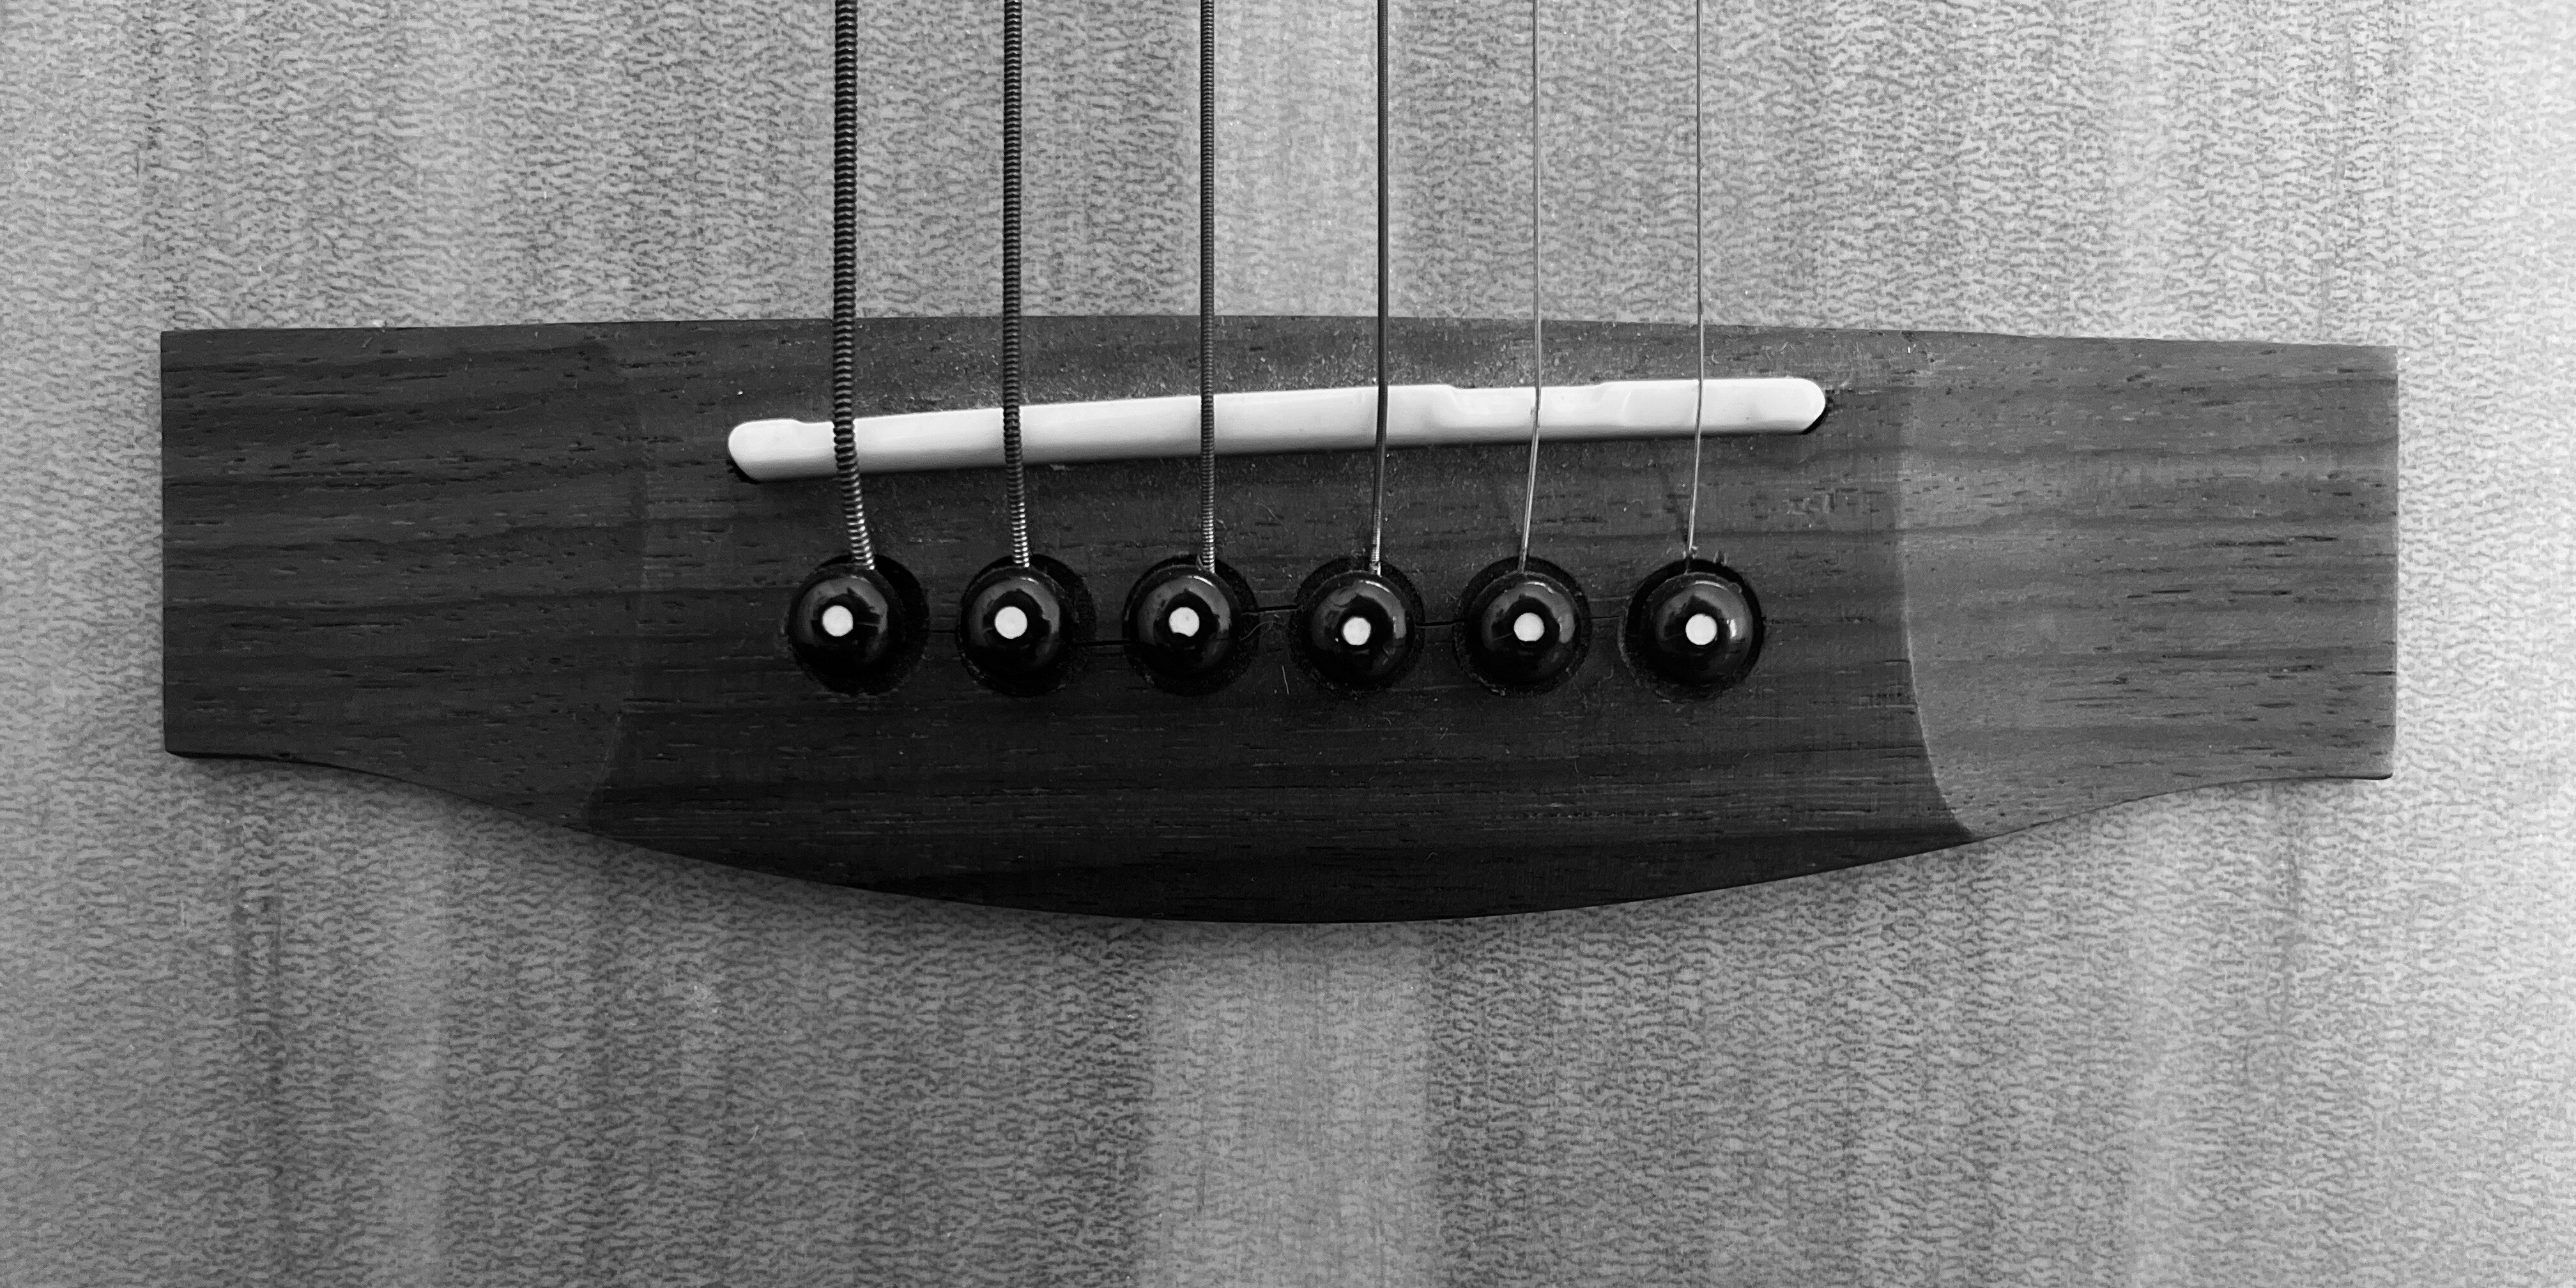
x: 1356, y: 631
x: 1528, y: 627
x: 1010, y: 621
x: 837, y: 621
x: 1700, y: 629
x: 1185, y: 622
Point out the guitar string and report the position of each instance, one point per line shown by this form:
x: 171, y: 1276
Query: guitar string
x: 1207, y: 286
x: 1377, y: 507
x: 1538, y: 328
x: 1699, y: 270
x: 1015, y: 477
x: 845, y: 280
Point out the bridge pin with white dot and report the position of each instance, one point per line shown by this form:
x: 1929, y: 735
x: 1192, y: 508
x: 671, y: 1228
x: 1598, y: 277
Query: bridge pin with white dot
x: 1523, y: 626
x: 858, y: 630
x: 1357, y: 631
x: 1191, y: 631
x: 1695, y: 629
x: 1020, y: 628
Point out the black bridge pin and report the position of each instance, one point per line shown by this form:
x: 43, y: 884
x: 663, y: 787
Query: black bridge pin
x: 1021, y: 627
x: 1523, y: 626
x: 855, y: 629
x: 1695, y: 628
x: 1357, y: 630
x: 1191, y: 631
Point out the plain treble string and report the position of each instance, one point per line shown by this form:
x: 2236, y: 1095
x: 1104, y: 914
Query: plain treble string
x: 1377, y: 505
x: 1538, y: 327
x: 1207, y: 286
x: 1699, y: 267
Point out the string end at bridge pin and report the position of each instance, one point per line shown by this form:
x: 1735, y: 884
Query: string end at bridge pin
x: 1694, y: 628
x: 857, y: 624
x: 1192, y: 625
x: 1524, y: 625
x: 1024, y: 618
x: 1359, y: 621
